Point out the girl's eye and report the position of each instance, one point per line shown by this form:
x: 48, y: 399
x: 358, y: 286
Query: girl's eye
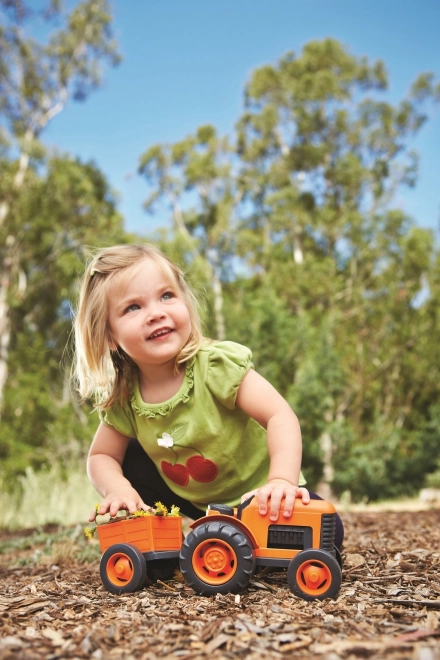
x: 168, y: 295
x: 132, y: 308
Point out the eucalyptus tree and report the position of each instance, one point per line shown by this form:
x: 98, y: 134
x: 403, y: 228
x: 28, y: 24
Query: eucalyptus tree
x: 195, y: 180
x: 312, y: 265
x: 66, y: 207
x: 37, y: 78
x: 323, y: 154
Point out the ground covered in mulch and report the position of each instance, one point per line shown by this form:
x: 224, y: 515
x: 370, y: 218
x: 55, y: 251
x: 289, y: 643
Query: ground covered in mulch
x: 53, y: 605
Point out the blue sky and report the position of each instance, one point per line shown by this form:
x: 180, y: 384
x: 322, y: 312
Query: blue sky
x: 185, y: 63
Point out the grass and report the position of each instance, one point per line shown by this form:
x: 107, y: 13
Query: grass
x: 43, y: 546
x: 51, y: 514
x: 45, y: 497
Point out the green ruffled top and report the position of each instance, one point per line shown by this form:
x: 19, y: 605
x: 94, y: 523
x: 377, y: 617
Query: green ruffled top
x: 204, y: 446
x: 153, y: 410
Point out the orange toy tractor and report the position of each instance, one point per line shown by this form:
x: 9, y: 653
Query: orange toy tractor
x: 223, y: 549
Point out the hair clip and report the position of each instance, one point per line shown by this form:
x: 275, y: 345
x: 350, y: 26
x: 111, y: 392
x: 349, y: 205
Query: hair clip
x: 93, y: 272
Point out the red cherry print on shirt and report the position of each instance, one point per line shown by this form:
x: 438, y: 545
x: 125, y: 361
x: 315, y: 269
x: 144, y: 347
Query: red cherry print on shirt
x: 176, y: 473
x: 201, y: 469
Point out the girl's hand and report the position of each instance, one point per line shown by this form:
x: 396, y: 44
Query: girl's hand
x: 275, y: 490
x: 127, y: 498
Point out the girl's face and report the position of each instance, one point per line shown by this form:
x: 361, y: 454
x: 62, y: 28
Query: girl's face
x: 147, y: 318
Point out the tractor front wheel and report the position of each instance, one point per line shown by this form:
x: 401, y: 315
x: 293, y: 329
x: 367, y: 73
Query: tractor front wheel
x: 314, y: 575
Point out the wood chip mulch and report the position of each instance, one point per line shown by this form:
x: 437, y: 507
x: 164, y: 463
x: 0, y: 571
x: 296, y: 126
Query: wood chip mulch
x: 388, y: 607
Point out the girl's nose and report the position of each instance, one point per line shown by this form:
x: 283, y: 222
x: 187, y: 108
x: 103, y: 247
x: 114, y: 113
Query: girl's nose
x: 154, y: 312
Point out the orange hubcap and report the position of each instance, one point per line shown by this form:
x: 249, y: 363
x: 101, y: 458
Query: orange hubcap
x: 120, y: 569
x: 214, y: 561
x: 314, y: 577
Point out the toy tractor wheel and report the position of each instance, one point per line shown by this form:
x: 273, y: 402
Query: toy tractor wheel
x: 314, y: 575
x: 123, y: 568
x: 217, y: 558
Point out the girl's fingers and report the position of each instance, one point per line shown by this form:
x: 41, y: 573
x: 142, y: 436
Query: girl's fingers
x: 277, y: 496
x: 289, y: 503
x: 118, y: 504
x: 304, y: 494
x: 274, y: 495
x: 114, y: 507
x: 263, y: 494
x: 271, y: 495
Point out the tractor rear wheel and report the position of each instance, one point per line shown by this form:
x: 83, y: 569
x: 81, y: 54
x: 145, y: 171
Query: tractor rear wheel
x: 217, y: 557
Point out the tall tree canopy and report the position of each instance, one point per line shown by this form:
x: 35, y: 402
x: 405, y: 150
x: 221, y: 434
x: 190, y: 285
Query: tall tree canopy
x: 290, y: 226
x: 67, y: 208
x: 332, y: 286
x: 36, y: 80
x: 50, y: 207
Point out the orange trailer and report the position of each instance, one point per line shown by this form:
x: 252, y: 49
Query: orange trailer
x: 136, y: 547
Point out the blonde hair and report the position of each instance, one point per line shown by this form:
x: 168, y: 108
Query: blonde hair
x: 104, y: 374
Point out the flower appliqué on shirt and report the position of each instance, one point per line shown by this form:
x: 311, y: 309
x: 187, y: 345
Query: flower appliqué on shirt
x: 165, y: 441
x: 197, y: 467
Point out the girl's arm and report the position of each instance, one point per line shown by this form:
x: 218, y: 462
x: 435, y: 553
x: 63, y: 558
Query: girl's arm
x: 257, y: 398
x: 104, y: 467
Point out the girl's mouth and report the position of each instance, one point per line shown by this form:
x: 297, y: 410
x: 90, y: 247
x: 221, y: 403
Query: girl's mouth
x: 163, y: 332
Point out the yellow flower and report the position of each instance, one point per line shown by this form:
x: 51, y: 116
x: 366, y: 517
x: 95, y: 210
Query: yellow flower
x: 175, y: 511
x: 161, y: 509
x: 89, y: 532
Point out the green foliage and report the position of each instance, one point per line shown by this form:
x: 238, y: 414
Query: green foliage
x: 49, y: 209
x: 68, y: 207
x: 311, y: 266
x: 288, y: 230
x: 387, y: 463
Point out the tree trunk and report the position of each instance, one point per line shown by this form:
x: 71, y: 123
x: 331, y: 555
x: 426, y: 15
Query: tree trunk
x: 298, y: 254
x: 324, y: 488
x: 212, y: 262
x: 7, y: 267
x: 217, y: 289
x: 5, y: 322
x: 5, y: 337
x: 218, y: 307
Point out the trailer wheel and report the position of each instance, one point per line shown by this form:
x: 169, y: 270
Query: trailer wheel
x: 314, y: 575
x: 123, y: 568
x: 217, y: 558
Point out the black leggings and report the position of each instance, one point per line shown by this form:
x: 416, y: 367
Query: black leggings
x: 143, y: 475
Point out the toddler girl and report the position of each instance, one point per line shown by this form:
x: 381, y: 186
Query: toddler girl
x: 183, y: 419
